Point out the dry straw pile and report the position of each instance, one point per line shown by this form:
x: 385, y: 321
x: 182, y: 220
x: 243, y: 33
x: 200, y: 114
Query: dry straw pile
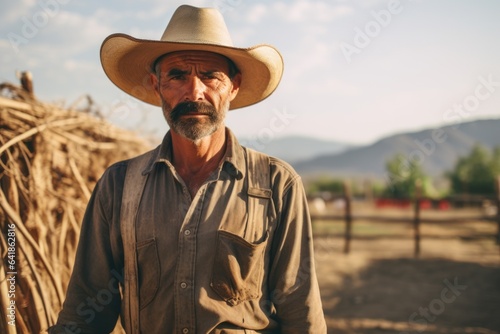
x: 50, y: 160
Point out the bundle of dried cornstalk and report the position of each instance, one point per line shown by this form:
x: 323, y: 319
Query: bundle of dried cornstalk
x: 50, y: 160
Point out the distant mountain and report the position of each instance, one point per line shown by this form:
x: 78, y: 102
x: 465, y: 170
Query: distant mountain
x: 437, y: 150
x: 294, y: 149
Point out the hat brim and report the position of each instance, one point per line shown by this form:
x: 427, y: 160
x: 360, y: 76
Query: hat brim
x: 127, y: 62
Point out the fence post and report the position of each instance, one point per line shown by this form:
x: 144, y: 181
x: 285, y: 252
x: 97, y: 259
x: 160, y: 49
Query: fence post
x: 416, y: 219
x: 368, y: 191
x: 497, y: 199
x: 348, y: 217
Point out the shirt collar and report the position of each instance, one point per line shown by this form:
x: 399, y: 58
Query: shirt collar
x: 233, y: 161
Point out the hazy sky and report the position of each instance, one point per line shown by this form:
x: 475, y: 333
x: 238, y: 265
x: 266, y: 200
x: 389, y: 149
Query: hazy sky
x: 354, y: 70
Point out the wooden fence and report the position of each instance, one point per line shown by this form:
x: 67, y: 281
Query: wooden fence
x: 349, y: 218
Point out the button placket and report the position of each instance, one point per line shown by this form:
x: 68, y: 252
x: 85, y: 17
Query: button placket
x: 185, y: 304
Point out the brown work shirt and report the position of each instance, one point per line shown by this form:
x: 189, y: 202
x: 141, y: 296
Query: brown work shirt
x: 202, y: 267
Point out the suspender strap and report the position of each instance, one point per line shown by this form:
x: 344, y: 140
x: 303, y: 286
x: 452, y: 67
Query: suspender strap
x: 259, y: 192
x: 259, y: 174
x: 132, y: 193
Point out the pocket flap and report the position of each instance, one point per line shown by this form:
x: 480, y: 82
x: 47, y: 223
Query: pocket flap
x: 261, y: 193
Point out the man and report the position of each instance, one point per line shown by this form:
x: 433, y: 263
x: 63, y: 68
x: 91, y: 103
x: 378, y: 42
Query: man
x: 199, y: 235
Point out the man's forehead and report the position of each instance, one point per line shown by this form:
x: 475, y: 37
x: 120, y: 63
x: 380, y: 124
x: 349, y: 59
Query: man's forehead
x: 190, y: 58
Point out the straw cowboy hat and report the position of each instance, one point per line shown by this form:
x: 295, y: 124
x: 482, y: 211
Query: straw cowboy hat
x: 128, y: 61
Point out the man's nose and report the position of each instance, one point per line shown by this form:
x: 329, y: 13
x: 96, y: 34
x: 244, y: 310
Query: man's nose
x: 195, y: 89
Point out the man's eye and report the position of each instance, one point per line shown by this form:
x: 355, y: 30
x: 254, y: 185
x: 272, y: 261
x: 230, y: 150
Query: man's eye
x: 212, y: 75
x: 209, y: 77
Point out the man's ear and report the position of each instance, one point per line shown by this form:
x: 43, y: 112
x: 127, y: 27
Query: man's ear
x: 236, y: 81
x: 155, y: 83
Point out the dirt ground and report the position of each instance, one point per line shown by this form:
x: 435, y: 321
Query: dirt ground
x: 380, y: 287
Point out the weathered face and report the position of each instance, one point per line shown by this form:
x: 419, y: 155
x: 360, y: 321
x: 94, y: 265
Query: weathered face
x: 195, y: 90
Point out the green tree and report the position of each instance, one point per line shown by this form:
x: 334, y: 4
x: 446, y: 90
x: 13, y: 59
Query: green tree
x: 402, y: 176
x: 325, y: 184
x: 495, y: 161
x: 476, y: 173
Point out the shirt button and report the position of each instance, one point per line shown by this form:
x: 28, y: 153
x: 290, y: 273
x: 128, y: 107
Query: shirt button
x: 187, y: 232
x: 185, y: 330
x: 184, y: 285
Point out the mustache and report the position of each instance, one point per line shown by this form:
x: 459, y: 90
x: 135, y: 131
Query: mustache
x: 184, y: 108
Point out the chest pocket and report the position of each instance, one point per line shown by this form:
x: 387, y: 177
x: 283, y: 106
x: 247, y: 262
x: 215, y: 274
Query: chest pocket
x: 238, y: 268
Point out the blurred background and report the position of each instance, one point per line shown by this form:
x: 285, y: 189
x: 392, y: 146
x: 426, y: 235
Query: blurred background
x: 389, y: 110
x: 355, y: 71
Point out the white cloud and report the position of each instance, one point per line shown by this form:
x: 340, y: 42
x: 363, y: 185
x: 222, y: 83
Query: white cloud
x: 12, y: 11
x: 340, y: 11
x: 339, y: 87
x: 67, y: 42
x: 256, y: 13
x: 4, y: 45
x: 297, y: 11
x: 373, y: 3
x: 311, y: 11
x: 65, y: 34
x: 145, y: 33
x: 79, y: 28
x: 320, y: 87
x: 72, y: 65
x: 159, y: 8
x: 111, y: 15
x: 154, y: 12
x: 241, y: 36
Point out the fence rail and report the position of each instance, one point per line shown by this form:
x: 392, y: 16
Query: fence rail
x: 416, y: 221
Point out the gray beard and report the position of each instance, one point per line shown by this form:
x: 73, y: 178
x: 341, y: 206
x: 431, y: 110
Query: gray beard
x: 193, y: 128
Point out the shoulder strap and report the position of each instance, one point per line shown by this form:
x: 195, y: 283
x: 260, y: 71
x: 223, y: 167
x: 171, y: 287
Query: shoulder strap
x: 259, y: 172
x: 259, y: 188
x: 132, y: 193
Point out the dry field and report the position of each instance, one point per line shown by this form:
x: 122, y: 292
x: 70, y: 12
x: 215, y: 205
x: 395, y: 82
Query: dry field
x: 380, y: 287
